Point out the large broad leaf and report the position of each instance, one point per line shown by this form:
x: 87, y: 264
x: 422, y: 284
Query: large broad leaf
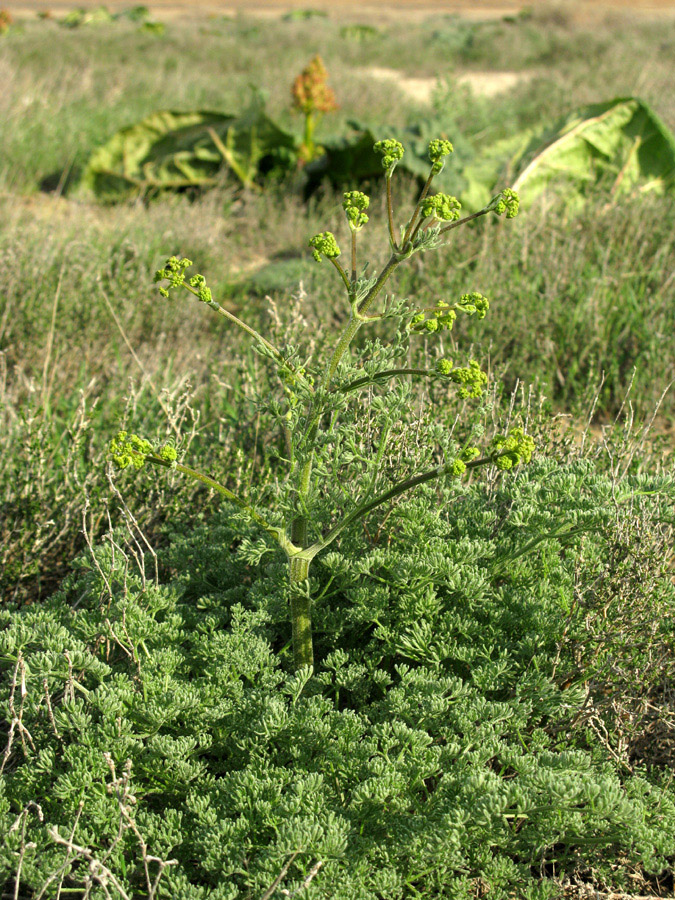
x: 172, y: 150
x: 621, y: 144
x: 351, y: 160
x: 492, y: 169
x: 345, y: 160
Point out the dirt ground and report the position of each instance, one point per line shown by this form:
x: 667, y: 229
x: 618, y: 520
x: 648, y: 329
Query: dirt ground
x: 360, y: 9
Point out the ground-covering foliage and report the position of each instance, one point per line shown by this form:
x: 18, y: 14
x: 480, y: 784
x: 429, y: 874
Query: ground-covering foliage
x: 492, y: 708
x: 431, y: 754
x: 594, y: 288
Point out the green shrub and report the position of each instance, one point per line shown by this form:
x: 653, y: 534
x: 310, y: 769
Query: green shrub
x: 312, y: 401
x: 423, y: 761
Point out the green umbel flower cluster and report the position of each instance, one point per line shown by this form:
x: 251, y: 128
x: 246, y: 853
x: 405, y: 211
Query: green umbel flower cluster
x: 471, y: 378
x: 469, y: 453
x: 442, y: 321
x: 474, y: 304
x: 168, y: 454
x: 173, y: 272
x: 441, y: 206
x: 199, y: 283
x: 456, y: 468
x: 355, y: 205
x: 324, y: 243
x: 438, y: 150
x: 512, y: 448
x: 392, y: 151
x: 131, y: 450
x: 507, y: 202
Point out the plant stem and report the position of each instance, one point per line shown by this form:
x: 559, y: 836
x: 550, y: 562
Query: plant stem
x: 277, y: 533
x: 413, y: 218
x: 383, y: 277
x: 353, y: 257
x: 390, y: 214
x: 381, y: 376
x: 213, y: 304
x: 309, y: 135
x: 391, y: 494
x: 459, y: 222
x: 301, y: 617
x: 343, y: 344
x: 343, y: 275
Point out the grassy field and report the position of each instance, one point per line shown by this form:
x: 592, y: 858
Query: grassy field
x: 580, y: 333
x: 577, y: 301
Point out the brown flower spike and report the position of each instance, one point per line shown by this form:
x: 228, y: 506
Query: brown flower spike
x: 5, y: 20
x: 310, y: 91
x: 312, y: 97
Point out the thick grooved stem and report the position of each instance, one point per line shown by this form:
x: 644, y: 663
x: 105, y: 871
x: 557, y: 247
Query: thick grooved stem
x: 299, y: 532
x: 301, y: 619
x: 342, y: 346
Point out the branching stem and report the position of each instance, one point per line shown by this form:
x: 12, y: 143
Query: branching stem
x: 343, y: 275
x: 213, y: 304
x: 413, y: 218
x: 382, y: 376
x: 277, y: 533
x: 391, y: 494
x: 463, y: 221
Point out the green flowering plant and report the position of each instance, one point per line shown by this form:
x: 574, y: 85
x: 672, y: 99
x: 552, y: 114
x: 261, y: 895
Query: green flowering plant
x: 318, y: 396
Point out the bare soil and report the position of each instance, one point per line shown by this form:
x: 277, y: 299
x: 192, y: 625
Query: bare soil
x: 582, y: 10
x: 420, y: 90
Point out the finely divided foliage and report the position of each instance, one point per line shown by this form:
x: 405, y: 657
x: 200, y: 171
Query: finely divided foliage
x: 161, y: 749
x: 315, y: 404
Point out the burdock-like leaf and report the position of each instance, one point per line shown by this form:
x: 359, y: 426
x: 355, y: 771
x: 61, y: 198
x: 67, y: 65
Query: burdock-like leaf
x: 170, y: 150
x: 622, y: 144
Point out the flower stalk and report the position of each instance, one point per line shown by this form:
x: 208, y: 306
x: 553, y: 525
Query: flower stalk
x: 316, y: 396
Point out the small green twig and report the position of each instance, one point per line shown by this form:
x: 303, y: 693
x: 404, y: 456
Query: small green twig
x: 213, y: 304
x: 391, y: 494
x: 277, y: 533
x: 413, y: 218
x: 343, y: 275
x: 463, y: 221
x: 382, y: 376
x: 390, y: 213
x: 353, y: 258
